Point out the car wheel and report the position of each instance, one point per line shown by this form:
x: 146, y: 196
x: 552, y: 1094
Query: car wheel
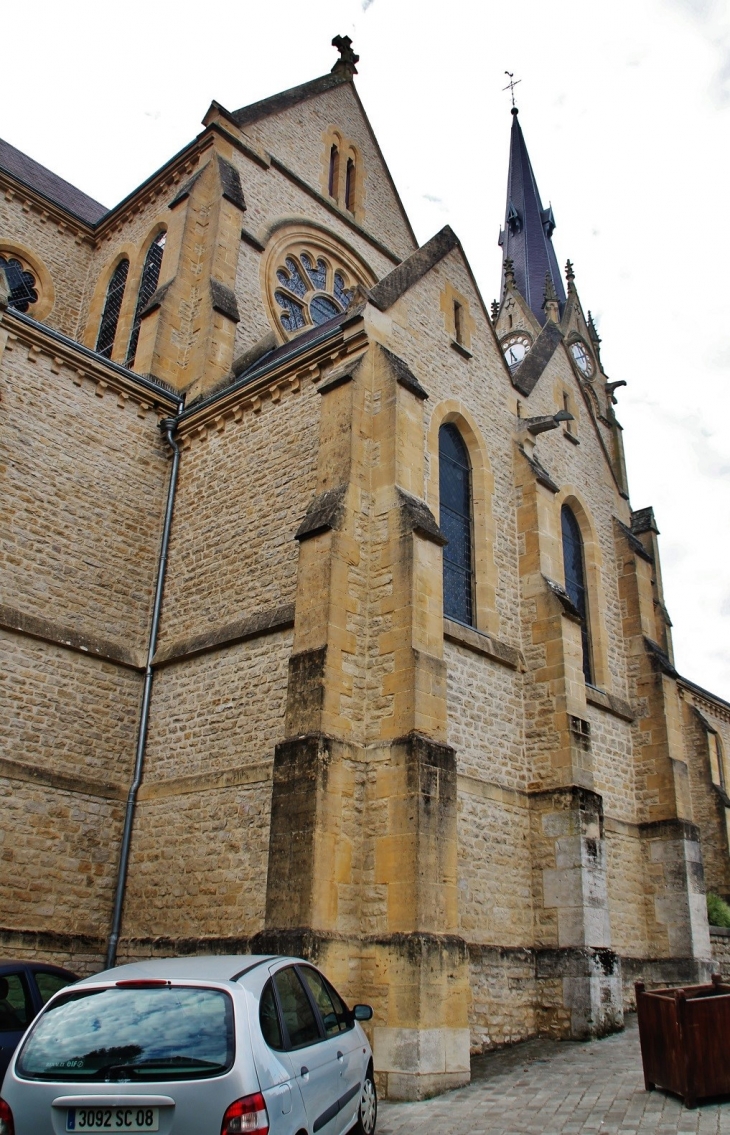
x: 368, y: 1111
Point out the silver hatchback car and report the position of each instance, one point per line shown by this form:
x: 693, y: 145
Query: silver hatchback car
x: 195, y: 1046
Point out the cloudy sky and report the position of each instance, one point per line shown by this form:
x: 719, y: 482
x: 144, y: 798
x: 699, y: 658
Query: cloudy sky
x: 625, y: 107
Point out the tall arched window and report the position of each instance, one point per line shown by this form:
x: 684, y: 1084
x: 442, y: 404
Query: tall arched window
x: 147, y: 288
x: 350, y: 186
x: 455, y: 521
x: 575, y: 580
x: 334, y: 176
x: 112, y: 307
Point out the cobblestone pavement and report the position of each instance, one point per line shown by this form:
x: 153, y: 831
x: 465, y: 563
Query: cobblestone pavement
x: 545, y: 1087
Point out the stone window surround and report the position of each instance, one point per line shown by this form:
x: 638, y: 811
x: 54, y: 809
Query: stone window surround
x: 43, y: 282
x: 593, y: 568
x: 136, y: 254
x: 347, y: 151
x: 486, y: 618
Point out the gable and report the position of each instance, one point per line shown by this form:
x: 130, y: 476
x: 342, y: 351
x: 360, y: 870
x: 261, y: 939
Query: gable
x: 300, y: 131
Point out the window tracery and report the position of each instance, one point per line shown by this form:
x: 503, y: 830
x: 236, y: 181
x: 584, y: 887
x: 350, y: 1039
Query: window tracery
x: 21, y: 283
x: 147, y: 288
x: 312, y: 289
x: 112, y: 308
x: 575, y: 581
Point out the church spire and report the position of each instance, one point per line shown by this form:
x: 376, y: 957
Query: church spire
x: 526, y: 238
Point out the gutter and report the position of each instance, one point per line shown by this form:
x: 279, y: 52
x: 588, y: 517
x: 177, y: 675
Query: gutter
x: 168, y: 427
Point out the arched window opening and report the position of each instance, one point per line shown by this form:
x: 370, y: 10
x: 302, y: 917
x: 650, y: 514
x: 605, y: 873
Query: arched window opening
x: 334, y: 177
x: 575, y: 581
x: 716, y: 759
x: 112, y: 307
x: 456, y: 524
x: 21, y: 283
x: 350, y: 186
x: 147, y: 288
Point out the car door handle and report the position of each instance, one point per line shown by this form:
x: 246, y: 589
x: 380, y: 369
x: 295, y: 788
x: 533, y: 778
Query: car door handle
x: 340, y: 1056
x: 304, y: 1070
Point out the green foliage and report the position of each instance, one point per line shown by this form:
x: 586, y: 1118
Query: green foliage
x: 718, y: 911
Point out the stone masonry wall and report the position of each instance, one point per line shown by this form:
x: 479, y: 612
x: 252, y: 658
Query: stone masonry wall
x: 241, y: 497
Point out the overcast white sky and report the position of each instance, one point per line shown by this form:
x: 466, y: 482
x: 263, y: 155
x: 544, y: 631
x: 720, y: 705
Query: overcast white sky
x: 625, y: 107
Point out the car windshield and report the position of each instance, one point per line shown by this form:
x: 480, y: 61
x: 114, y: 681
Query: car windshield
x: 141, y: 1034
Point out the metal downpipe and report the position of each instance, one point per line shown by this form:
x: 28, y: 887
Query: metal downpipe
x: 167, y: 425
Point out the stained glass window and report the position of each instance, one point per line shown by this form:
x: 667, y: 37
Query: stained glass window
x: 456, y: 525
x: 21, y: 283
x: 575, y: 580
x: 334, y: 177
x: 311, y: 291
x: 147, y: 288
x: 112, y: 307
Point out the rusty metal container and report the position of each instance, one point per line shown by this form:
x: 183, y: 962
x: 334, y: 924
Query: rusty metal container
x: 685, y: 1039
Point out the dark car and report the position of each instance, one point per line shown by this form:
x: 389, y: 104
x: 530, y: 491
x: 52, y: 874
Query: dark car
x: 24, y: 989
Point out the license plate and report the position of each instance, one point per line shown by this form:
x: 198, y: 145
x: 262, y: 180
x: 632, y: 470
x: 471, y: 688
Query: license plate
x: 113, y: 1119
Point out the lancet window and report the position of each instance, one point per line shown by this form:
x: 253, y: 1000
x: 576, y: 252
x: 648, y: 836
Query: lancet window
x: 455, y: 495
x: 112, y: 307
x: 147, y: 288
x: 575, y: 580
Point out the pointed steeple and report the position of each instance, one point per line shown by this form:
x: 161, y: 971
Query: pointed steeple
x: 526, y: 238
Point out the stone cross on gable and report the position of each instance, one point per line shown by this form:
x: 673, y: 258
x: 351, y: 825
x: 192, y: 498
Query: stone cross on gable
x: 348, y: 59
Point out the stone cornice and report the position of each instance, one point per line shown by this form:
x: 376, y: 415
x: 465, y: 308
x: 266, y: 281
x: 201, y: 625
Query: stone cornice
x: 50, y: 631
x: 85, y: 363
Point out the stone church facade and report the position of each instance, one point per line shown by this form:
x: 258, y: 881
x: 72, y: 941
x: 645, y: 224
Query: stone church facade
x: 327, y: 624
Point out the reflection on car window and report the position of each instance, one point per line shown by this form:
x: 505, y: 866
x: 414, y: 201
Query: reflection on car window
x: 16, y: 1009
x: 343, y: 1013
x: 50, y: 983
x: 321, y: 995
x: 298, y: 1016
x: 107, y: 1035
x: 269, y: 1018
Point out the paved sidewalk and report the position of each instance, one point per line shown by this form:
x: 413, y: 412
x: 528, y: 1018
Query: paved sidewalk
x: 547, y: 1088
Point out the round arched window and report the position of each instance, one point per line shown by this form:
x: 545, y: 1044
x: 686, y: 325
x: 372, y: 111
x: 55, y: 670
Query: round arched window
x: 311, y: 289
x: 21, y: 282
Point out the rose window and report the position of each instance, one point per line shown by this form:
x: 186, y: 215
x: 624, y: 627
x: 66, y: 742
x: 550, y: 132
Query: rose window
x: 21, y: 282
x: 310, y: 291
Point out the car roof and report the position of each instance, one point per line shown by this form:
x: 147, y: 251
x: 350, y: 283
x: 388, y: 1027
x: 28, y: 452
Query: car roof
x: 205, y: 967
x: 10, y: 964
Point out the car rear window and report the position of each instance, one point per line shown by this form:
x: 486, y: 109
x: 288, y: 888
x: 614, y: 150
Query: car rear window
x: 138, y: 1034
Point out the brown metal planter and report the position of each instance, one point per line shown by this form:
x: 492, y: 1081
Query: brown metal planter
x: 685, y: 1039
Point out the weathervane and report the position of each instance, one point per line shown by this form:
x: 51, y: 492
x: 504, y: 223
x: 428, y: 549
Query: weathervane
x: 511, y: 85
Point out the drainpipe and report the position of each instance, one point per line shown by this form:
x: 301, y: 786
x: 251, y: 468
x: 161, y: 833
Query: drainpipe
x: 167, y: 425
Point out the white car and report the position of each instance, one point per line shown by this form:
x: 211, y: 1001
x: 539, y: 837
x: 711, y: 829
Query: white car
x: 195, y: 1046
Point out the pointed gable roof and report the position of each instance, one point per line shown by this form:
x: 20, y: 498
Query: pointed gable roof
x: 526, y: 238
x: 286, y: 99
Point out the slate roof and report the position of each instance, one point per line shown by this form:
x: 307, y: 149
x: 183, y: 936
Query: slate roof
x: 526, y: 238
x: 289, y: 98
x: 49, y: 185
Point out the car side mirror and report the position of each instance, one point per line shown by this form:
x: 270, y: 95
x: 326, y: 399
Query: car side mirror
x: 362, y: 1013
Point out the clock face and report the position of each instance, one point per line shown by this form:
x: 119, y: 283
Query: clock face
x: 515, y: 348
x: 582, y: 358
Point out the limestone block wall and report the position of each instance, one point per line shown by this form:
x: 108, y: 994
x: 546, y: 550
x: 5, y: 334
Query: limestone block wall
x: 706, y: 769
x: 720, y: 942
x: 626, y: 868
x: 85, y: 483
x: 306, y: 151
x: 242, y: 494
x: 61, y: 249
x: 503, y: 996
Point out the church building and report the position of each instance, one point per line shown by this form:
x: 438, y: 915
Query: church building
x: 328, y: 627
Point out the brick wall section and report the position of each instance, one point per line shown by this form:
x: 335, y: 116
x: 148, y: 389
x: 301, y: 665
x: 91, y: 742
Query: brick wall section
x: 84, y: 492
x: 720, y: 942
x: 241, y: 496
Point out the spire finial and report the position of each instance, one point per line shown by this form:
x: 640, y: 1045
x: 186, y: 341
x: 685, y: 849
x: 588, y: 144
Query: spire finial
x: 570, y: 276
x: 509, y: 274
x: 511, y: 88
x: 345, y: 65
x: 495, y: 310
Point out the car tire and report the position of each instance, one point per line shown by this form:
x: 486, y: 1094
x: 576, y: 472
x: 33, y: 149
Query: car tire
x: 367, y: 1112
